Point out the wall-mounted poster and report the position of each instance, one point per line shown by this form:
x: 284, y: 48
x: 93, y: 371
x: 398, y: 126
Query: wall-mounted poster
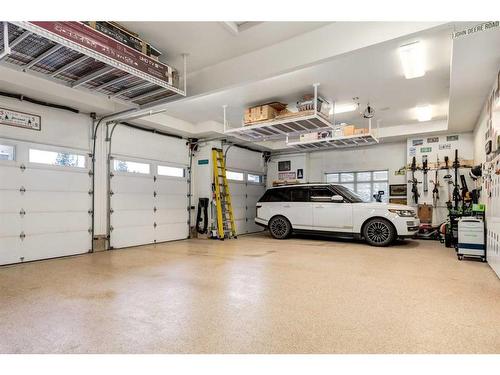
x: 285, y: 176
x: 284, y: 166
x: 433, y: 140
x: 20, y: 119
x: 445, y: 146
x: 417, y: 142
x: 398, y: 190
x: 451, y: 138
x: 398, y: 201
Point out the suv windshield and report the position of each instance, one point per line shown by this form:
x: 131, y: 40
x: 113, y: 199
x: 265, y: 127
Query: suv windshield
x: 349, y: 194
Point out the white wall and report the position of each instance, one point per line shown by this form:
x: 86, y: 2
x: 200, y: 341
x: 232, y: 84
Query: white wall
x: 59, y: 127
x: 391, y: 156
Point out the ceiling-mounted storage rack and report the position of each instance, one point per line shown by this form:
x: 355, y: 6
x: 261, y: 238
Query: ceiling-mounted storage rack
x: 75, y: 55
x: 344, y: 141
x: 292, y: 125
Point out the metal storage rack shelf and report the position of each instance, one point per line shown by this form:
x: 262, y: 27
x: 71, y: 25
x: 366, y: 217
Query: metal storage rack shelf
x: 34, y: 50
x: 293, y: 125
x: 282, y: 128
x: 336, y: 142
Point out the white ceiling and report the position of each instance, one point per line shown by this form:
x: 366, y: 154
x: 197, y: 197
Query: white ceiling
x: 373, y: 74
x: 209, y: 43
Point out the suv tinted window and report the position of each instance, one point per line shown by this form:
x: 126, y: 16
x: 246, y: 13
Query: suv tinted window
x: 276, y: 195
x: 300, y: 194
x: 321, y: 193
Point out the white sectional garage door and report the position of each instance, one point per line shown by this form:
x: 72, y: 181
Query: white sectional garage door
x: 244, y: 196
x: 147, y: 207
x: 45, y: 205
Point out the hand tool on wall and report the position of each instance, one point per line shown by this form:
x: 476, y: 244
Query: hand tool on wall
x: 413, y: 181
x: 425, y: 168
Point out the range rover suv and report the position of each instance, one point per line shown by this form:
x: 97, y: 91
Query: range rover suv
x: 333, y: 209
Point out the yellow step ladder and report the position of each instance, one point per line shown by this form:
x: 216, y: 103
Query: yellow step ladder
x: 225, y: 217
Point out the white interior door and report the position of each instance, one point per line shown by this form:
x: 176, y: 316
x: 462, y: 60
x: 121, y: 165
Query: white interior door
x: 45, y: 208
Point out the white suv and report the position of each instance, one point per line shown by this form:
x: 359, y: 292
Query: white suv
x: 333, y: 209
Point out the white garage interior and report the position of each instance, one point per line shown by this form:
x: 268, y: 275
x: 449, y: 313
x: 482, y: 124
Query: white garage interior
x: 112, y: 194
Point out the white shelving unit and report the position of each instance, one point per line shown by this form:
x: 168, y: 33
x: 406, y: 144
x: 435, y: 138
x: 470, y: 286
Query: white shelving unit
x: 281, y: 128
x: 347, y: 141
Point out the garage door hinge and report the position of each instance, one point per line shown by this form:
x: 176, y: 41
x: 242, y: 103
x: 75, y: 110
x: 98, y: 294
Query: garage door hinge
x: 22, y: 189
x: 22, y: 167
x: 90, y: 212
x: 111, y: 229
x: 111, y: 192
x: 91, y: 173
x: 91, y: 192
x: 154, y: 225
x: 154, y: 209
x: 111, y: 210
x: 22, y: 236
x: 90, y: 230
x: 154, y: 193
x: 111, y: 174
x: 22, y: 212
x: 154, y: 178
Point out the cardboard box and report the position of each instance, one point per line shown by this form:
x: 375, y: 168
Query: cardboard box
x: 361, y: 131
x: 260, y: 113
x: 348, y: 130
x: 424, y: 213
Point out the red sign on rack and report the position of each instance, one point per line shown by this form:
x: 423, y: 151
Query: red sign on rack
x: 87, y: 37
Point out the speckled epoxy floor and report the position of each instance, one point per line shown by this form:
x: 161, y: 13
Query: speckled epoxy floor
x: 253, y: 295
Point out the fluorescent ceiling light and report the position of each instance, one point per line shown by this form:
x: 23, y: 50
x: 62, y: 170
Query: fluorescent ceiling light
x: 424, y: 113
x: 343, y: 108
x: 412, y: 58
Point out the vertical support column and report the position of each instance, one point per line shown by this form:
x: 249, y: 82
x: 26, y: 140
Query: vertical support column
x: 6, y: 47
x: 184, y: 63
x: 224, y: 109
x: 315, y: 86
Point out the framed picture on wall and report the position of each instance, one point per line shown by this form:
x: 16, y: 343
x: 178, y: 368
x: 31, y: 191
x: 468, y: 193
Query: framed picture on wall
x: 284, y: 166
x: 398, y: 190
x: 398, y: 201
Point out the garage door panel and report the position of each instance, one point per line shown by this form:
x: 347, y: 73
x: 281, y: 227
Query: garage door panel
x: 10, y: 249
x: 239, y: 213
x: 10, y: 177
x: 59, y: 244
x: 57, y: 201
x: 171, y: 232
x: 131, y: 218
x: 132, y: 201
x: 11, y: 201
x: 171, y: 216
x: 132, y: 184
x: 54, y: 222
x: 237, y: 189
x: 56, y: 180
x: 240, y: 226
x: 173, y: 201
x: 10, y: 224
x: 132, y: 236
x: 175, y: 186
x: 255, y: 190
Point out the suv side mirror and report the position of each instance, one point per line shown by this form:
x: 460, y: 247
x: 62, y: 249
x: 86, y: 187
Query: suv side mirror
x: 337, y: 198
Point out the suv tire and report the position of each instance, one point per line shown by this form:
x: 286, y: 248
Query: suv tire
x: 280, y: 228
x: 379, y: 232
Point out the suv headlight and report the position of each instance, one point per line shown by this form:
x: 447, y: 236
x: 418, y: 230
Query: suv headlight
x: 403, y: 213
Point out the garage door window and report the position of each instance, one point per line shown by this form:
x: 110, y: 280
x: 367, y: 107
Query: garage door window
x: 235, y: 176
x: 255, y: 178
x: 59, y: 158
x: 366, y: 183
x: 130, y: 166
x: 6, y: 152
x: 164, y: 170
